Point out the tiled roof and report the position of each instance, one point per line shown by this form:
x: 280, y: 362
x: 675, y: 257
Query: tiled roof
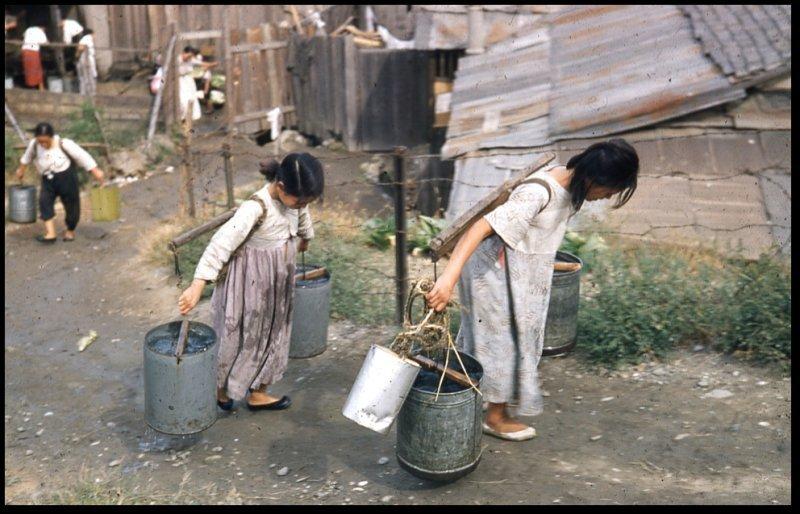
x: 744, y: 39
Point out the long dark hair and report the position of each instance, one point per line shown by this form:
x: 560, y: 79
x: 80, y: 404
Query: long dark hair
x: 301, y: 174
x: 613, y: 163
x: 44, y: 129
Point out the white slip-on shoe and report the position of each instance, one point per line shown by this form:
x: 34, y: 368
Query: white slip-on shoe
x: 520, y: 435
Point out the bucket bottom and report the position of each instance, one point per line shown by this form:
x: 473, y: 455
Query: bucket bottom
x: 439, y: 476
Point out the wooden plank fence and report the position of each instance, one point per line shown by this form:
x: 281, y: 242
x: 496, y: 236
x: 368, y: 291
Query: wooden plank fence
x: 372, y: 99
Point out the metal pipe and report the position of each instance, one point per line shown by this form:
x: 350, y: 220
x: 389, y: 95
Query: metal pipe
x: 401, y: 265
x: 475, y: 29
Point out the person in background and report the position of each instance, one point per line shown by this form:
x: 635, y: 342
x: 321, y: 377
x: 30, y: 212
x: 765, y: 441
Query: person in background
x: 87, y: 65
x: 252, y: 305
x: 187, y: 89
x: 55, y: 159
x: 198, y: 61
x: 70, y: 29
x: 33, y: 37
x: 507, y: 258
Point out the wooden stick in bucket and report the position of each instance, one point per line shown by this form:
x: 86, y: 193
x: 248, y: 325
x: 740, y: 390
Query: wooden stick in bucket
x: 455, y: 376
x: 183, y: 335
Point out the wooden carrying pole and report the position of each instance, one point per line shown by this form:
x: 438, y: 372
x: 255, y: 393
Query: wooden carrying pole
x: 444, y: 243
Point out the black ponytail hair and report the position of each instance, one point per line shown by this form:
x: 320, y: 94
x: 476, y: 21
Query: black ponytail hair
x: 613, y: 163
x: 301, y: 174
x: 44, y: 129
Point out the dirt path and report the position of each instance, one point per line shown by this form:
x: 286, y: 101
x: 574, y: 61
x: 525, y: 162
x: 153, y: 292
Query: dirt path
x: 69, y: 415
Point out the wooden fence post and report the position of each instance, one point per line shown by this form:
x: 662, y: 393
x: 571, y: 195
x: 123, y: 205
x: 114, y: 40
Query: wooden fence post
x: 187, y: 196
x: 55, y: 20
x: 401, y: 256
x: 151, y: 129
x: 230, y: 104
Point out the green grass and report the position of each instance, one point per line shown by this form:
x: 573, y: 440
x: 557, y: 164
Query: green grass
x: 649, y: 300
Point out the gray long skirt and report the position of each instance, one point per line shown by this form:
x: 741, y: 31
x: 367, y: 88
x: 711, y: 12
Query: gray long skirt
x: 510, y: 373
x: 253, y: 317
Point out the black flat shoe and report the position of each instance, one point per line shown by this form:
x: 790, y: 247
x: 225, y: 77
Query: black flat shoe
x: 68, y: 239
x: 281, y: 404
x: 46, y: 240
x: 225, y: 405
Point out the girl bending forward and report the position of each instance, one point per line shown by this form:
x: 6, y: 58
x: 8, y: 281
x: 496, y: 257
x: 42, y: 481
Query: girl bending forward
x: 510, y: 252
x: 252, y: 304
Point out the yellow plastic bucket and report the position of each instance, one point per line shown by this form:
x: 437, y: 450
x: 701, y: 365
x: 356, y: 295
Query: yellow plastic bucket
x: 105, y: 203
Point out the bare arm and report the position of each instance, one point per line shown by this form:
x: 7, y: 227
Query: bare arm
x: 443, y: 289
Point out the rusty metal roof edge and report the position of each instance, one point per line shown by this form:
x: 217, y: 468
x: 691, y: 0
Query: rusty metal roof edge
x: 699, y: 103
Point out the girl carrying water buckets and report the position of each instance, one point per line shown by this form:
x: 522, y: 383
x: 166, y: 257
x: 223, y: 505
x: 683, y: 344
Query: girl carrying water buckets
x: 252, y: 303
x: 507, y: 258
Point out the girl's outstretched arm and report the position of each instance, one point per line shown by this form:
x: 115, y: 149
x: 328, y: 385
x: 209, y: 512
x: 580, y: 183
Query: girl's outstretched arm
x: 443, y: 289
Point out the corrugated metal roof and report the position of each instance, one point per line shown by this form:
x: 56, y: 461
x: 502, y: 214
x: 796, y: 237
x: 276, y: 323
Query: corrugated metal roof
x: 447, y: 29
x: 744, y: 39
x: 591, y: 71
x: 617, y: 68
x: 501, y: 90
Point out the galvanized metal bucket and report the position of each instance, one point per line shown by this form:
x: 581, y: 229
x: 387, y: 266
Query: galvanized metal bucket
x: 55, y: 84
x: 380, y: 389
x: 561, y: 328
x: 439, y: 439
x: 105, y: 203
x: 180, y: 393
x: 311, y: 315
x: 22, y: 204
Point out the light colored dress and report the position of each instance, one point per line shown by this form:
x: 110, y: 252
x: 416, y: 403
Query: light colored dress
x: 252, y: 307
x: 87, y: 67
x: 528, y: 240
x: 187, y: 89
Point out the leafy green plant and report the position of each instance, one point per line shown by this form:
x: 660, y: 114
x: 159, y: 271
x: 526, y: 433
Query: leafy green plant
x: 584, y: 247
x: 378, y: 232
x: 423, y: 231
x: 644, y: 302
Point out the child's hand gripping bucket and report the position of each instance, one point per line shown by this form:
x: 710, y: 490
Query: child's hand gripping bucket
x: 380, y: 389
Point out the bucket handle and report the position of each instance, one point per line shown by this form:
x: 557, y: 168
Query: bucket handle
x: 182, y: 336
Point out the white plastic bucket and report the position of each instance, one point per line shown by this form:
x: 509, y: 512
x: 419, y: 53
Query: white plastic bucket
x: 9, y: 82
x: 380, y: 389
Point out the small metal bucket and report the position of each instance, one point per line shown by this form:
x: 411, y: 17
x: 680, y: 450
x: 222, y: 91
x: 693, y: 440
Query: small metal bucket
x: 105, y: 203
x: 180, y: 391
x: 311, y: 316
x: 380, y: 389
x: 22, y: 204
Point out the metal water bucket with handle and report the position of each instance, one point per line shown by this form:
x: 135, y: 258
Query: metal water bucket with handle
x: 439, y: 436
x: 561, y: 327
x: 105, y: 203
x: 380, y: 389
x: 311, y: 313
x: 180, y: 389
x: 22, y: 203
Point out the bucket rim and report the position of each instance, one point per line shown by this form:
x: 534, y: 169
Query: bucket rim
x: 393, y: 354
x: 461, y: 391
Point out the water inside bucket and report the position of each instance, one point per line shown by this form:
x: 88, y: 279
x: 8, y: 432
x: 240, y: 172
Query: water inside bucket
x: 163, y: 339
x: 314, y: 282
x: 428, y: 381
